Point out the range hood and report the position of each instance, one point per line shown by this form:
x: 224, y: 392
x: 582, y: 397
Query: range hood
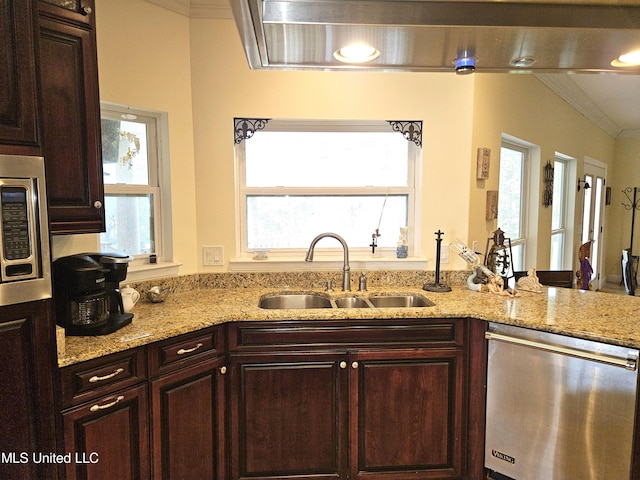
x: 429, y: 35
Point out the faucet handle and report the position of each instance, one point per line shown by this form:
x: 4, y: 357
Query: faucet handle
x: 329, y: 287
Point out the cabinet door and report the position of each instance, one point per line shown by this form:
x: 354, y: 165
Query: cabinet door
x: 406, y: 414
x: 188, y: 422
x: 71, y: 123
x: 288, y: 416
x: 18, y: 106
x: 27, y: 407
x: 109, y: 437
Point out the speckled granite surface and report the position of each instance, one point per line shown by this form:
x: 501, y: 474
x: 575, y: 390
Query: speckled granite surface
x: 200, y: 301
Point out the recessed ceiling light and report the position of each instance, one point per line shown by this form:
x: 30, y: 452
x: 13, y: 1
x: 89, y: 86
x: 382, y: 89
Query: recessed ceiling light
x: 630, y: 59
x: 522, y: 62
x: 356, y: 54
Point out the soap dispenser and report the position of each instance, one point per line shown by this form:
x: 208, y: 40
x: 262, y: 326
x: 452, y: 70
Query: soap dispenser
x: 362, y: 282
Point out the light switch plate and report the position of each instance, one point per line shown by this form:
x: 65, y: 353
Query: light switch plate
x: 213, y: 255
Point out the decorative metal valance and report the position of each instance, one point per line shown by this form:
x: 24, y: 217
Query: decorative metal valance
x: 410, y: 129
x: 245, y: 127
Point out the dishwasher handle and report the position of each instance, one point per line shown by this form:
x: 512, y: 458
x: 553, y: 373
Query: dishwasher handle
x: 629, y: 363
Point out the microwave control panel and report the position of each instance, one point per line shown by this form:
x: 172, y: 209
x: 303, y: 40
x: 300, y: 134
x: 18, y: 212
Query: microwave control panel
x: 19, y: 260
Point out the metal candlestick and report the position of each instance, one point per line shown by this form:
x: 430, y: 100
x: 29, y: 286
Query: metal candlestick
x: 437, y: 286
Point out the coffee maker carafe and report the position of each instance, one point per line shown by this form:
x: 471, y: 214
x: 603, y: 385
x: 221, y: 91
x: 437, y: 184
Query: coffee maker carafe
x: 87, y: 293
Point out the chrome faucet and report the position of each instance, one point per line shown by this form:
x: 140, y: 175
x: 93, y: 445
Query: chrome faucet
x: 346, y: 269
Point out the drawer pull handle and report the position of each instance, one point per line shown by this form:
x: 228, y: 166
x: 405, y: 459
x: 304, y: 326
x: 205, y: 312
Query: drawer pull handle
x: 95, y: 408
x: 95, y: 378
x: 223, y: 370
x: 182, y: 351
x: 354, y: 365
x: 343, y: 364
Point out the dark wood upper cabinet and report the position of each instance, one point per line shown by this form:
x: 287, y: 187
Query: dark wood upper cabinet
x: 71, y: 116
x: 18, y: 86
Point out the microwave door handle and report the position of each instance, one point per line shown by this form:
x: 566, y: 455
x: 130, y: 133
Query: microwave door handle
x: 629, y: 363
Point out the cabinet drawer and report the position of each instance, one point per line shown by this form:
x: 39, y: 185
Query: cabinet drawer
x: 184, y: 350
x: 93, y: 378
x: 419, y: 332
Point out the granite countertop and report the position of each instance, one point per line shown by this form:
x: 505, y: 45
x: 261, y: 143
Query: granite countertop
x: 584, y: 314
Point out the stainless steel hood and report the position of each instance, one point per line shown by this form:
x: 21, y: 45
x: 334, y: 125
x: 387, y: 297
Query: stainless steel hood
x: 429, y: 35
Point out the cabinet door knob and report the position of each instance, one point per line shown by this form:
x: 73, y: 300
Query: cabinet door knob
x: 343, y: 364
x: 97, y: 204
x: 86, y: 10
x: 354, y: 365
x: 223, y: 370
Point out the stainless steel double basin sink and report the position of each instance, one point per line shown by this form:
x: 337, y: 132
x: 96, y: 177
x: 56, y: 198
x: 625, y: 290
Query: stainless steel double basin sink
x: 316, y: 300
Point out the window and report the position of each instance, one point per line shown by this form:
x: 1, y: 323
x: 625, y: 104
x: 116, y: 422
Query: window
x: 297, y: 179
x: 131, y: 167
x: 559, y: 214
x: 512, y: 199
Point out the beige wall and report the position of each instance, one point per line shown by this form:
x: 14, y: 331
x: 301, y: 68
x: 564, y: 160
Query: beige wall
x: 523, y: 107
x: 626, y: 175
x: 196, y: 71
x: 224, y: 88
x: 144, y: 61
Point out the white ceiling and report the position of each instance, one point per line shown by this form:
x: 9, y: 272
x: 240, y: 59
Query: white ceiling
x: 611, y: 101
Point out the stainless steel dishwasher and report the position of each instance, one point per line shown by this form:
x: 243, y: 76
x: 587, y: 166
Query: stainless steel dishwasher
x: 558, y: 408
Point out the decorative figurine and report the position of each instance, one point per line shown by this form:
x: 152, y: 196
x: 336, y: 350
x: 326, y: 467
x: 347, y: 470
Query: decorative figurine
x: 530, y: 283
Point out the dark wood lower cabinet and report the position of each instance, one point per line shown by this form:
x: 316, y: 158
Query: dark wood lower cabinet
x: 27, y: 403
x: 383, y: 400
x: 288, y: 416
x: 407, y: 414
x: 109, y: 436
x: 361, y: 406
x: 188, y: 424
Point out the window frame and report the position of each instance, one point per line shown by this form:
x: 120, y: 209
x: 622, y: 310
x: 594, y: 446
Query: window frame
x: 564, y: 214
x: 412, y: 190
x: 523, y: 219
x: 158, y: 177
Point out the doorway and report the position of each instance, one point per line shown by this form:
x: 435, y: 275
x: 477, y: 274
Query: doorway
x: 592, y: 189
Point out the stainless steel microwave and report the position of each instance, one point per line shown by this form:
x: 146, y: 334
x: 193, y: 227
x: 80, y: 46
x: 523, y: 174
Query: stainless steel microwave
x: 25, y: 258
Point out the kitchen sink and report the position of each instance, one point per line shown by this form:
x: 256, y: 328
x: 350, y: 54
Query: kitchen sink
x: 352, y: 302
x: 315, y: 300
x: 398, y: 301
x: 295, y: 300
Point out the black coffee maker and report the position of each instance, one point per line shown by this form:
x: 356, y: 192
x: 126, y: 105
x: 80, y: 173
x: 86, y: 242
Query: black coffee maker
x: 87, y: 293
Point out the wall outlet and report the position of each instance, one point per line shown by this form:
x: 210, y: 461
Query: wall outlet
x: 444, y: 254
x: 213, y: 255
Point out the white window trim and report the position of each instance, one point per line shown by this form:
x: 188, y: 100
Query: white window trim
x: 140, y: 268
x: 330, y: 258
x: 569, y: 208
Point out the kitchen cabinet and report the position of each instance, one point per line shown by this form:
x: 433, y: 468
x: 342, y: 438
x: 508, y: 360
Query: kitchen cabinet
x: 18, y: 85
x: 289, y: 416
x: 384, y: 399
x: 27, y: 416
x: 105, y: 417
x: 187, y: 411
x: 406, y: 413
x: 71, y: 115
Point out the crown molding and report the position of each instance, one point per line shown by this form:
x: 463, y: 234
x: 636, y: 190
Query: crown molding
x: 568, y: 90
x: 219, y: 9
